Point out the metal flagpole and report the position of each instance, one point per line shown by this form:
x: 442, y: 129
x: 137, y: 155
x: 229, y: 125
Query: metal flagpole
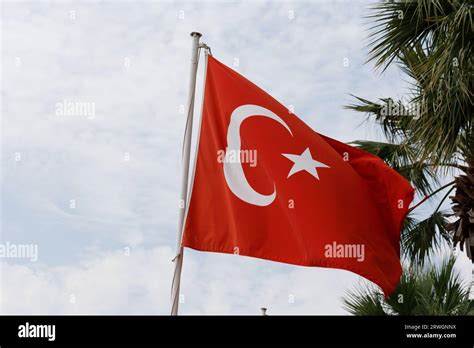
x: 178, y: 260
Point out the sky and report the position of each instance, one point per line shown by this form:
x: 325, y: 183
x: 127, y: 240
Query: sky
x: 97, y: 189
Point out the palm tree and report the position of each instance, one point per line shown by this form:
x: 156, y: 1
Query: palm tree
x: 431, y: 41
x: 436, y: 291
x: 428, y: 137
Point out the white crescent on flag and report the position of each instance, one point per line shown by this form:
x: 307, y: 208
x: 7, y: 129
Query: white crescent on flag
x: 233, y: 172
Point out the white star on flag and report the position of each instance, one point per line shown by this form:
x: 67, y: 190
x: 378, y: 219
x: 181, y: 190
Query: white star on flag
x: 304, y: 162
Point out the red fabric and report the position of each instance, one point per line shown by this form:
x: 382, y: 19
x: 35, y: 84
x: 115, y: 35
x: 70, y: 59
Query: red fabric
x: 358, y: 200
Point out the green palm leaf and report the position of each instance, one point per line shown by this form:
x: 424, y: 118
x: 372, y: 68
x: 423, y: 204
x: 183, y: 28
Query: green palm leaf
x: 432, y: 42
x: 432, y: 291
x: 419, y: 239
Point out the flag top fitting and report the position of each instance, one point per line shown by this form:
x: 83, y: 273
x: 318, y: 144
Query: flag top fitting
x: 206, y: 47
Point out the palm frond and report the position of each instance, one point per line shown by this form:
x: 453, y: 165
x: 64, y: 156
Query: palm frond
x: 363, y: 302
x: 448, y: 294
x: 394, y: 124
x: 431, y: 40
x: 423, y: 237
x: 404, y: 300
x: 431, y: 291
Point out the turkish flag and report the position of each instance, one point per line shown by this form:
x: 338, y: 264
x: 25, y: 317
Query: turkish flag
x: 266, y: 185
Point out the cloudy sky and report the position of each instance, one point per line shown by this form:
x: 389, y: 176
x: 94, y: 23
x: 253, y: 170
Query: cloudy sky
x: 98, y: 192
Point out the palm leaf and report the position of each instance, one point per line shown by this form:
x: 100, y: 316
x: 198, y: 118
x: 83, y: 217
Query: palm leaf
x: 431, y: 40
x: 431, y: 291
x: 423, y: 237
x: 363, y: 302
x: 393, y: 126
x: 404, y: 300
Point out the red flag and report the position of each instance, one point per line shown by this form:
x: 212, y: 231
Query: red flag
x: 266, y: 185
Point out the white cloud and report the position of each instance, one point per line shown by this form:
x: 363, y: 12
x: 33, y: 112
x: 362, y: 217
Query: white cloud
x: 136, y: 281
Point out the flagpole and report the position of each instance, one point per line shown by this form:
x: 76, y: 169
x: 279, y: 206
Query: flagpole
x: 178, y: 260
